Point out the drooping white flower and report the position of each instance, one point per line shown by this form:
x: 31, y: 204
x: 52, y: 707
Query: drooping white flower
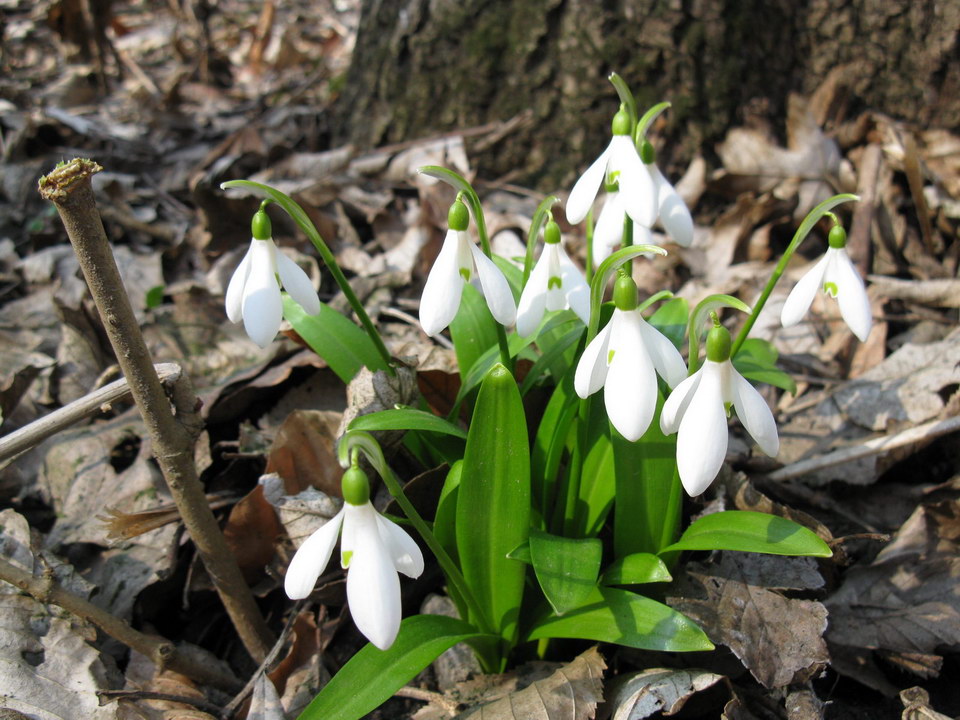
x: 672, y: 211
x: 253, y: 294
x: 608, y: 233
x: 461, y: 261
x: 624, y: 359
x: 835, y: 274
x: 555, y: 283
x: 619, y: 163
x: 697, y: 408
x: 373, y: 550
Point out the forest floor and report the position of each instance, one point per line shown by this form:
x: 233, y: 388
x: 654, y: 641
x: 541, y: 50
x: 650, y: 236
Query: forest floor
x: 172, y: 105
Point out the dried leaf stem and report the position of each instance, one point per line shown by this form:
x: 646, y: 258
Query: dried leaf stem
x: 162, y: 652
x: 68, y: 187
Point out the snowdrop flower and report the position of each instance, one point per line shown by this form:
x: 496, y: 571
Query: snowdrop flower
x: 373, y: 549
x: 461, y: 261
x: 554, y: 284
x: 608, y: 233
x: 672, y: 212
x: 618, y: 163
x: 698, y: 409
x: 837, y: 277
x: 253, y: 294
x: 624, y: 359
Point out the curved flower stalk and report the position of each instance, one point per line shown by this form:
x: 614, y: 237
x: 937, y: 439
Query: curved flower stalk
x: 555, y: 284
x: 372, y: 548
x: 461, y: 261
x: 698, y: 409
x: 835, y: 274
x: 619, y: 163
x: 624, y: 359
x: 253, y: 294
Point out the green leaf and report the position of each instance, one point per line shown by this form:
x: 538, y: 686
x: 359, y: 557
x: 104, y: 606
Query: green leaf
x: 493, y: 503
x: 598, y: 485
x: 549, y: 357
x: 751, y: 532
x: 566, y: 568
x: 636, y: 569
x: 622, y: 617
x: 551, y: 439
x: 757, y: 361
x: 671, y: 319
x: 372, y: 676
x: 473, y: 330
x: 344, y: 346
x: 406, y: 419
x: 155, y: 296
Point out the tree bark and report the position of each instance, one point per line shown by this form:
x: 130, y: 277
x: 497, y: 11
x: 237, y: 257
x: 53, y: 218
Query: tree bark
x: 426, y: 66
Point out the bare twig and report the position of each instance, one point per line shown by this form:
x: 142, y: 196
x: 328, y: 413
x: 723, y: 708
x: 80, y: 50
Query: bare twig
x: 39, y: 430
x: 199, y: 703
x: 68, y: 187
x: 162, y: 652
x: 450, y: 707
x: 874, y: 446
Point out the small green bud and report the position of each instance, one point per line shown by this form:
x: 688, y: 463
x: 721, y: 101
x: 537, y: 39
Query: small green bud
x: 718, y: 344
x: 837, y: 237
x: 621, y: 122
x: 625, y: 294
x: 551, y: 233
x: 647, y: 153
x: 260, y: 226
x: 459, y: 217
x: 355, y: 486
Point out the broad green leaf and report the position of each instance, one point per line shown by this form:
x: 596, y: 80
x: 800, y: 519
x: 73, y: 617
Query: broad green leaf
x: 551, y: 439
x: 636, y: 569
x: 649, y: 495
x: 493, y: 503
x: 406, y: 419
x: 444, y: 522
x: 598, y: 485
x: 751, y: 532
x: 473, y: 330
x: 566, y: 568
x: 372, y: 676
x: 482, y: 365
x: 344, y: 345
x: 671, y: 319
x: 622, y: 617
x: 757, y: 361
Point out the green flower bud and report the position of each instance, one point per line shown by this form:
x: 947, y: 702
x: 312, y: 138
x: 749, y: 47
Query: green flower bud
x: 647, y: 154
x: 621, y: 122
x: 551, y: 233
x: 837, y: 237
x: 718, y: 344
x: 459, y: 217
x: 625, y: 294
x: 260, y: 226
x: 355, y: 486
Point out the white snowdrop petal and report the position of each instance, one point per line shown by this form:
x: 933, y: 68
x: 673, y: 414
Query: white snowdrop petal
x: 852, y: 295
x: 636, y: 184
x: 311, y: 558
x: 754, y: 414
x: 496, y: 289
x: 403, y: 549
x: 234, y: 297
x: 673, y: 212
x: 592, y: 368
x: 665, y: 356
x: 373, y: 588
x: 676, y: 403
x: 585, y: 190
x: 296, y: 282
x: 441, y: 293
x: 630, y: 390
x: 575, y: 287
x: 702, y: 439
x: 533, y: 299
x: 262, y: 307
x: 608, y: 231
x: 800, y: 298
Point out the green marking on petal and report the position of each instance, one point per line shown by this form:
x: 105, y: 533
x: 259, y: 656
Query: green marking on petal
x: 612, y: 182
x: 727, y: 407
x: 465, y: 274
x: 345, y: 558
x: 610, y: 356
x: 831, y: 289
x: 554, y: 282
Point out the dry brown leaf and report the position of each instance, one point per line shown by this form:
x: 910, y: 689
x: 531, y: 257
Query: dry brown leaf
x: 251, y: 533
x: 659, y: 690
x: 265, y: 703
x: 572, y: 691
x: 778, y: 639
x: 304, y: 452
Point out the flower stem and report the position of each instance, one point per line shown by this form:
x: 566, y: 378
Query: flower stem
x: 68, y: 187
x: 303, y: 220
x: 812, y: 218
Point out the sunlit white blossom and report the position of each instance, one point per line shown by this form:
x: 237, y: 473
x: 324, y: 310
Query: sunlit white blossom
x: 555, y: 283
